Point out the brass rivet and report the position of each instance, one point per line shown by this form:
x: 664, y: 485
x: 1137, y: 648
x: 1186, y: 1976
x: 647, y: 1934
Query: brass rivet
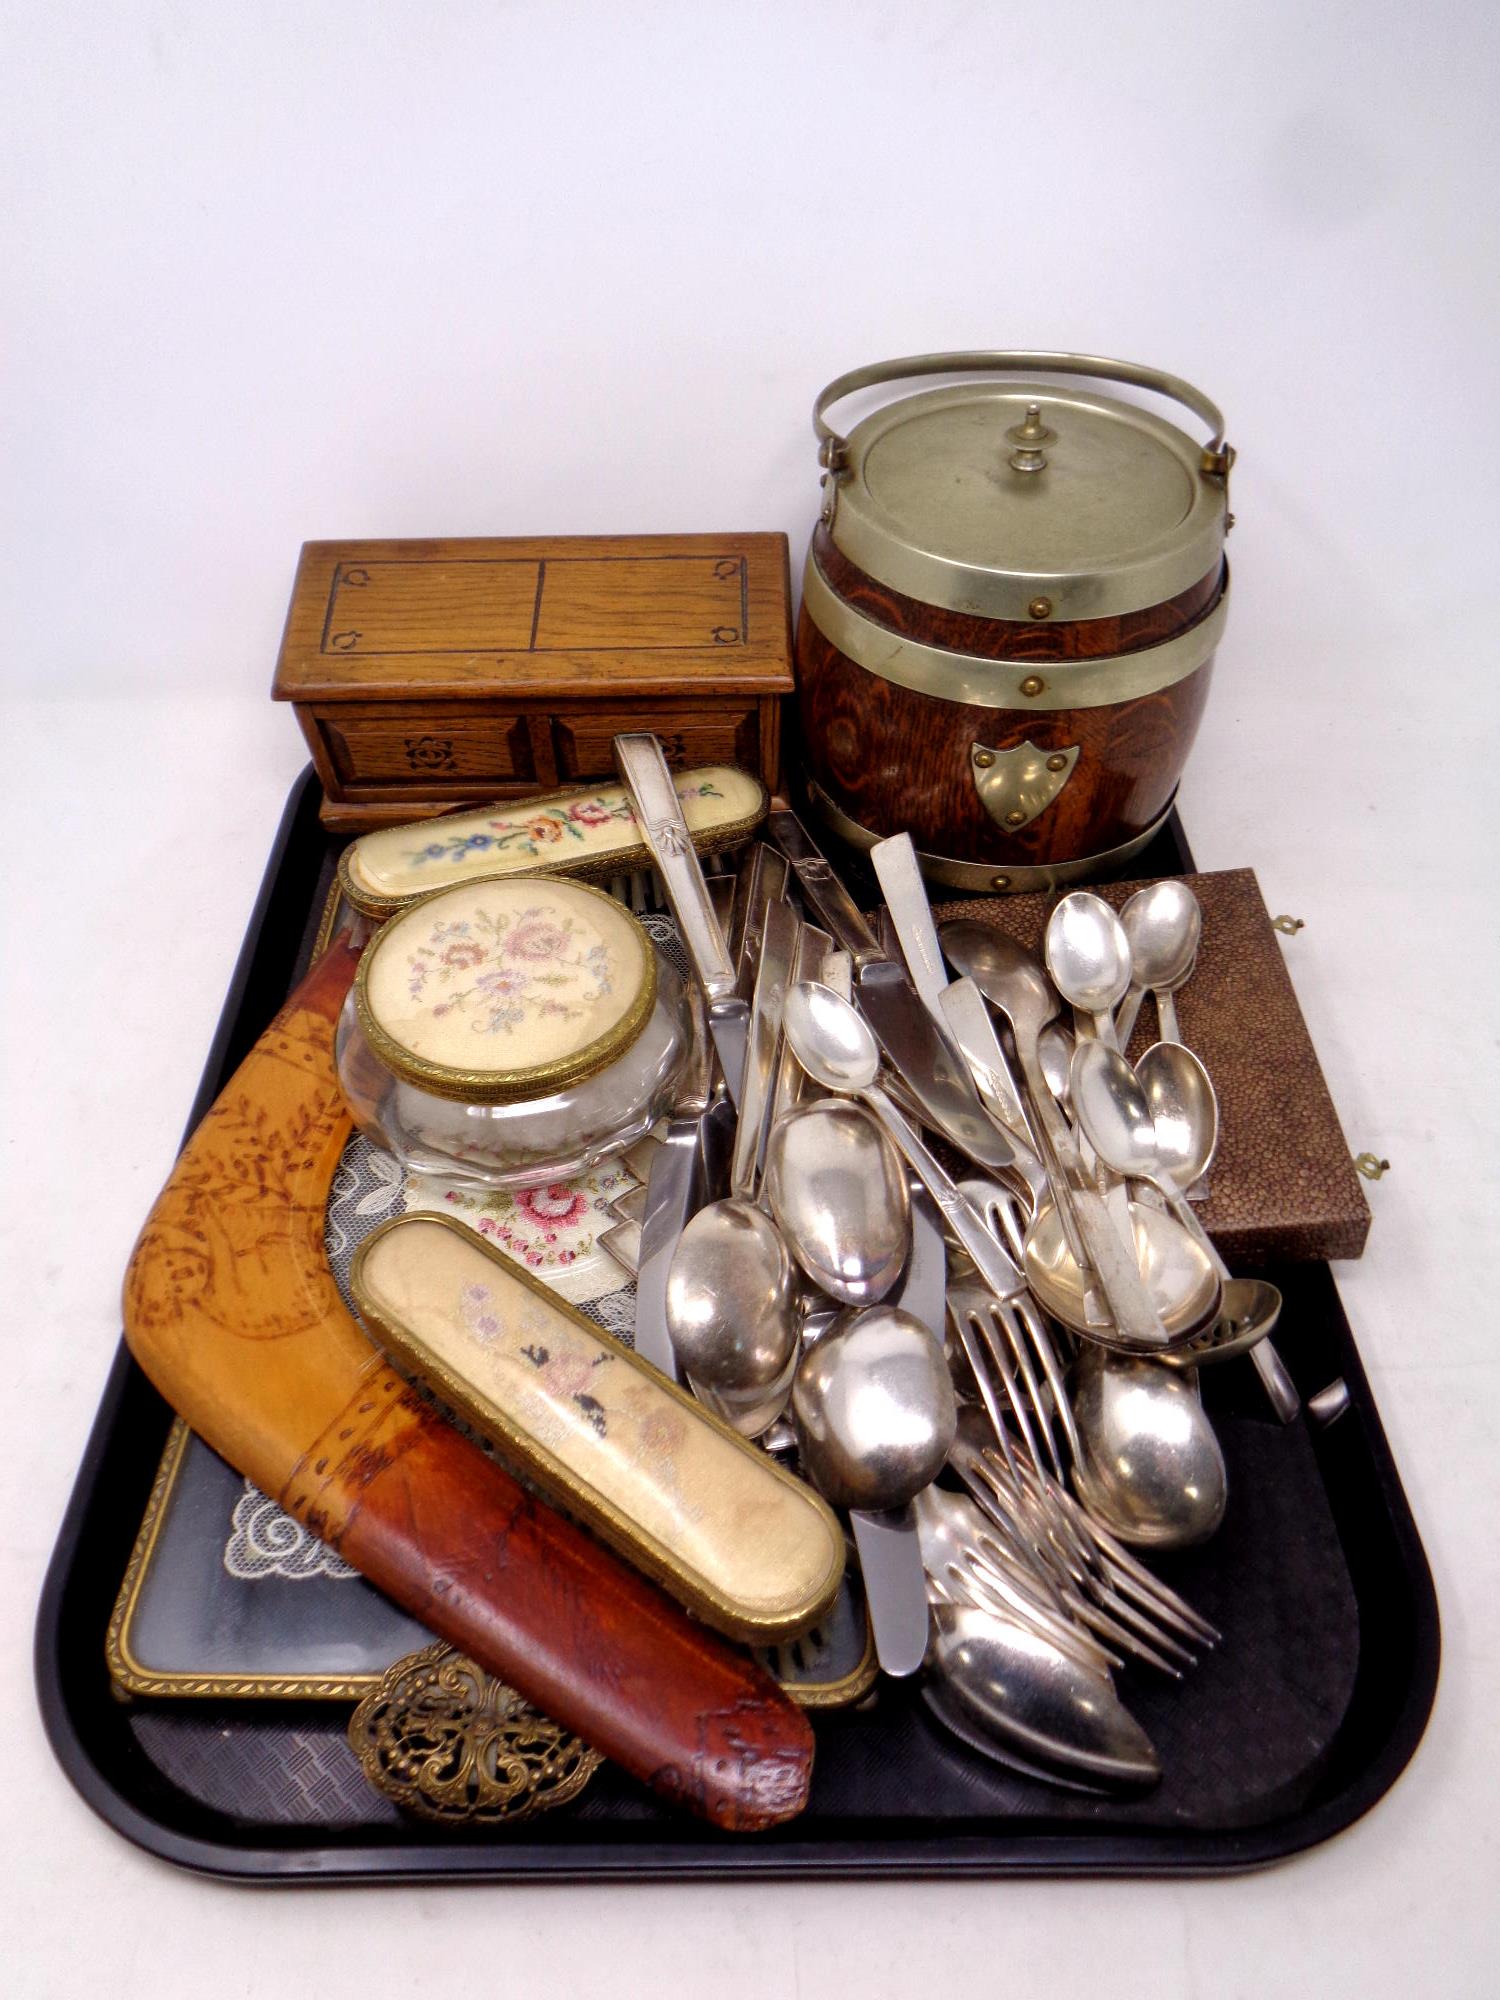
x: 1015, y: 817
x: 1057, y: 762
x: 983, y: 759
x: 1033, y: 684
x: 1040, y: 607
x: 1000, y: 882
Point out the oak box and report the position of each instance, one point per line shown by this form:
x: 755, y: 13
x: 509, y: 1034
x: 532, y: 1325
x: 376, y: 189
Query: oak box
x: 428, y: 675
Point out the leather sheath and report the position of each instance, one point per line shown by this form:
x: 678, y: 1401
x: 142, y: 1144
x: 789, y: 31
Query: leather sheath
x: 231, y: 1310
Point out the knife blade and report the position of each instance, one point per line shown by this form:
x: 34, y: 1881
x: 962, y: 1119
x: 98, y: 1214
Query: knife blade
x: 890, y: 1003
x: 925, y: 1064
x: 676, y: 1174
x: 923, y: 1290
x: 778, y: 958
x: 760, y: 881
x: 688, y: 1157
x: 890, y: 1560
x: 900, y: 878
x: 890, y: 1551
x: 973, y: 1031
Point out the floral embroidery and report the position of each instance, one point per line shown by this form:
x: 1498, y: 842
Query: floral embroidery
x: 663, y: 1431
x: 553, y: 824
x: 535, y: 938
x: 544, y: 1228
x: 566, y: 1372
x: 485, y: 1324
x: 555, y: 1377
x: 505, y: 969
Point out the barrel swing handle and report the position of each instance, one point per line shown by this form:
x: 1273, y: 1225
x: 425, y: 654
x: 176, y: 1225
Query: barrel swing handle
x: 1217, y: 455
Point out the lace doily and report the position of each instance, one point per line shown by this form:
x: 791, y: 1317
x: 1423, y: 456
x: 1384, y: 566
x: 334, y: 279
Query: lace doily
x: 266, y: 1541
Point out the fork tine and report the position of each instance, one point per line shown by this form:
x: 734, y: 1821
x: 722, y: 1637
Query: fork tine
x: 1001, y: 1337
x: 980, y: 1356
x: 1131, y: 1574
x: 994, y: 1592
x: 1156, y: 1611
x: 1002, y: 1211
x: 1061, y: 1603
x: 997, y: 1333
x: 1030, y: 1318
x: 1006, y: 1586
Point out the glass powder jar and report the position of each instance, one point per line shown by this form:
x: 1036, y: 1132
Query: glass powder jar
x: 512, y: 1031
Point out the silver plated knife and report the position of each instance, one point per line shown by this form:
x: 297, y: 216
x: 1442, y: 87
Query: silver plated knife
x: 761, y: 880
x: 671, y: 1196
x: 900, y: 878
x: 890, y: 1003
x: 773, y: 975
x: 658, y: 811
x: 923, y: 1291
x: 890, y: 1550
x: 686, y: 1164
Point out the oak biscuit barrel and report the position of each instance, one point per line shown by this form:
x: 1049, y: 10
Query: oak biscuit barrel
x: 1009, y: 615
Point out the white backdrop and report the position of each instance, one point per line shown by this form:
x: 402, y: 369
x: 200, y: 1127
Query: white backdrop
x: 276, y: 271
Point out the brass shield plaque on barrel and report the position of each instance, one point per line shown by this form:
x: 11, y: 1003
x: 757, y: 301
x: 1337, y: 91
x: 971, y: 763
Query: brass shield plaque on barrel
x: 1015, y: 785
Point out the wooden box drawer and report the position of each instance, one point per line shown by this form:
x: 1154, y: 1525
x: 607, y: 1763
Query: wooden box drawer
x: 445, y: 746
x: 716, y: 736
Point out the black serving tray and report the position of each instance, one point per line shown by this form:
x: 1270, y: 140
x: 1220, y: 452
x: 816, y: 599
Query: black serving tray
x: 1304, y: 1717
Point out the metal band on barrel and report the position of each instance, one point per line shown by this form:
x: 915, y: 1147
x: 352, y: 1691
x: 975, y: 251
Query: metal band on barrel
x: 1022, y: 685
x: 994, y: 877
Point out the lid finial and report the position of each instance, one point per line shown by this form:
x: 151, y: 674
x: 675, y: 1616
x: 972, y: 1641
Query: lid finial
x: 1028, y: 438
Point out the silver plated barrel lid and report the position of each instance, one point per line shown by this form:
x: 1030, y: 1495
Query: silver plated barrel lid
x: 1019, y: 498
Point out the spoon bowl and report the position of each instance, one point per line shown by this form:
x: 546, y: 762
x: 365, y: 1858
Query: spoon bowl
x: 1163, y: 925
x: 1008, y: 975
x: 1000, y: 1685
x: 1087, y: 953
x: 751, y: 1412
x: 1111, y: 1107
x: 1180, y: 1280
x: 875, y: 1411
x: 1152, y: 1470
x: 839, y: 1194
x: 833, y: 1042
x: 731, y: 1301
x: 1184, y: 1110
x: 1251, y: 1308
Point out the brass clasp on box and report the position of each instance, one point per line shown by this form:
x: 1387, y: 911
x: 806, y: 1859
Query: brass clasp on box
x: 1015, y: 785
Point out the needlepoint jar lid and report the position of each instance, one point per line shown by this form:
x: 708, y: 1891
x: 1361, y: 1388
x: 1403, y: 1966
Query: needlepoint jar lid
x: 496, y: 990
x: 994, y: 496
